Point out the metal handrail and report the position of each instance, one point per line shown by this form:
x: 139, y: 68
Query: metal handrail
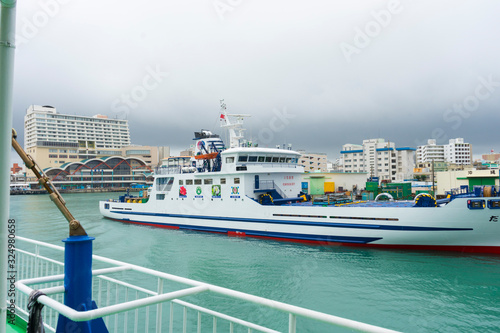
x: 195, y: 288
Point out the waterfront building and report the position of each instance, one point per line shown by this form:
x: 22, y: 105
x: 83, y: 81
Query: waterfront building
x: 55, y: 139
x: 313, y: 162
x: 105, y: 172
x: 44, y: 126
x: 455, y: 152
x: 379, y: 158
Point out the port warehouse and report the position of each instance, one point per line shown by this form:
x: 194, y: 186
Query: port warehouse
x: 104, y: 172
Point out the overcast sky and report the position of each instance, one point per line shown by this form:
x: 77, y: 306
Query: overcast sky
x: 316, y: 74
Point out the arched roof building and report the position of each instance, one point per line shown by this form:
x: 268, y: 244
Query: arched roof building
x: 104, y: 172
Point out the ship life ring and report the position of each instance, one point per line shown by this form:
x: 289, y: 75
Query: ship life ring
x: 425, y: 200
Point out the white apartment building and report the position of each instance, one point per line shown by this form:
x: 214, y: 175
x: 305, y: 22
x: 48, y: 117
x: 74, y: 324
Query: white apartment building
x: 430, y: 152
x: 456, y: 152
x: 379, y: 158
x: 44, y: 126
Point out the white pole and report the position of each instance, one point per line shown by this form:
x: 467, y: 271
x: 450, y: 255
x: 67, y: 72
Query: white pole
x: 7, y: 40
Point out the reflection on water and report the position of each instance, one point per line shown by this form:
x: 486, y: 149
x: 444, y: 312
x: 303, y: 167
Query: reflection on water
x: 408, y: 291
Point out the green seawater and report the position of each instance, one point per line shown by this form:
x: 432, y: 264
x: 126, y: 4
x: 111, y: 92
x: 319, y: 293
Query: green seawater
x: 410, y: 291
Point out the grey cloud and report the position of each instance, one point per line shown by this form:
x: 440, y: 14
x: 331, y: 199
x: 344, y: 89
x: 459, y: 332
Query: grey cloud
x: 263, y: 56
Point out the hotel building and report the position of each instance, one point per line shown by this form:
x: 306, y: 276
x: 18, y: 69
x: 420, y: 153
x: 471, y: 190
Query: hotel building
x: 54, y: 139
x: 78, y: 150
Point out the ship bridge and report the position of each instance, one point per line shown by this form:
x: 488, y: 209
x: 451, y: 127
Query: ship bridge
x: 259, y: 159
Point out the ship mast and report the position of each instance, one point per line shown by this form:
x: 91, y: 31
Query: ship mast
x: 234, y: 124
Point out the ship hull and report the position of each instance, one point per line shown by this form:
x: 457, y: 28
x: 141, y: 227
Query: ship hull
x: 453, y: 227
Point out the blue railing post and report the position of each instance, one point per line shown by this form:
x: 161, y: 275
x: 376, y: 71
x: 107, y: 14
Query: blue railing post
x: 78, y: 285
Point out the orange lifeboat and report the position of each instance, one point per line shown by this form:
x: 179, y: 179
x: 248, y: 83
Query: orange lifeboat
x: 209, y: 156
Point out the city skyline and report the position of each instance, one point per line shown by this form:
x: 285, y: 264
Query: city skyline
x: 317, y: 76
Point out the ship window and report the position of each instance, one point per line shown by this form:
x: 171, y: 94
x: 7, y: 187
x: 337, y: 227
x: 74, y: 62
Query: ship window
x: 268, y: 159
x: 165, y: 183
x: 275, y: 160
x: 242, y: 158
x: 160, y: 197
x: 181, y: 182
x: 252, y: 158
x: 288, y: 160
x: 236, y: 180
x: 282, y: 160
x: 189, y: 182
x: 223, y: 180
x: 262, y: 159
x: 197, y: 181
x: 229, y: 159
x: 207, y: 181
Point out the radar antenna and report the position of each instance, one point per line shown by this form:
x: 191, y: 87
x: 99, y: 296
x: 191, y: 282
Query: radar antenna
x: 234, y: 125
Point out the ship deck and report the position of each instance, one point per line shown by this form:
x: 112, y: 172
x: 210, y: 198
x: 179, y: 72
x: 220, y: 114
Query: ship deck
x: 395, y: 204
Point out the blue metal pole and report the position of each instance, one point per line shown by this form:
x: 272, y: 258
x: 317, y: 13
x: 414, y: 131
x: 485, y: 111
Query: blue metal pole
x: 78, y: 285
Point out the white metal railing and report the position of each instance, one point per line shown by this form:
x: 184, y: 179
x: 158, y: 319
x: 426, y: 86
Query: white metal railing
x: 128, y: 302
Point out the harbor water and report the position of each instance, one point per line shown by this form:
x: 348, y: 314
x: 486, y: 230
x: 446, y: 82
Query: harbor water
x: 410, y: 291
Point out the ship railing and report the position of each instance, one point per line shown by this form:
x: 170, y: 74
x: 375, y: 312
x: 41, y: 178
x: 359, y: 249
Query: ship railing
x: 271, y: 185
x: 132, y: 298
x: 168, y: 170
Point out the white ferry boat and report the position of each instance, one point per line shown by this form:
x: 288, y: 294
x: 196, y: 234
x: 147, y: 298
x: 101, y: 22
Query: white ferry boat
x: 256, y: 192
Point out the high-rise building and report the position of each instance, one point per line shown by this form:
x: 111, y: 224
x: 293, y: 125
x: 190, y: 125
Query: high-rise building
x: 45, y: 127
x: 379, y: 159
x: 54, y: 139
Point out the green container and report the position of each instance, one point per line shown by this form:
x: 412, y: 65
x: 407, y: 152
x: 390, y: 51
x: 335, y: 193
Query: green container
x: 371, y: 186
x: 398, y: 190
